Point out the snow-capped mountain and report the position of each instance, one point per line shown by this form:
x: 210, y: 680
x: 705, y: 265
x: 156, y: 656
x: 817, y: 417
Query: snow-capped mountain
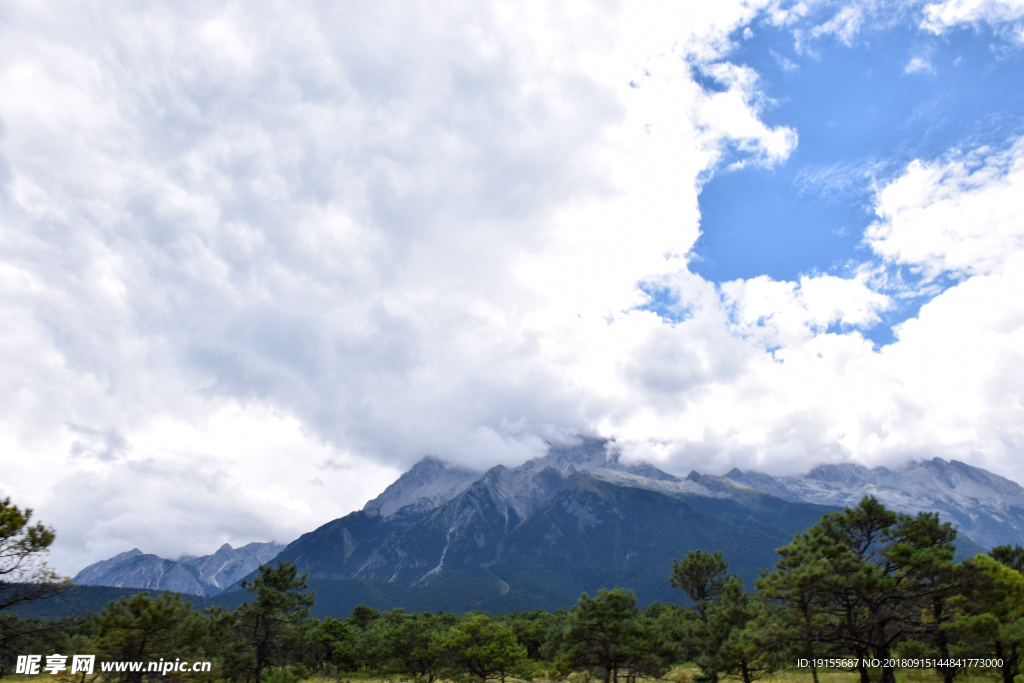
x: 538, y: 534
x: 577, y: 519
x: 431, y: 482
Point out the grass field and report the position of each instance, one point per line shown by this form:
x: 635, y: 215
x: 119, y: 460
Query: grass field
x: 902, y: 676
x: 680, y: 674
x: 689, y: 674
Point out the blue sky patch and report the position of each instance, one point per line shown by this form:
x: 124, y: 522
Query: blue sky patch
x: 862, y: 113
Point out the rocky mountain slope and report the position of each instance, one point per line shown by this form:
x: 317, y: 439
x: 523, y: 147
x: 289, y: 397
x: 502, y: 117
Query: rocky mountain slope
x: 985, y: 506
x: 577, y: 519
x: 427, y: 485
x: 539, y: 534
x: 206, y: 575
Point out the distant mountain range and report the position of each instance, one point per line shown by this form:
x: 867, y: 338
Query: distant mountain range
x: 984, y: 506
x: 579, y: 519
x: 207, y: 575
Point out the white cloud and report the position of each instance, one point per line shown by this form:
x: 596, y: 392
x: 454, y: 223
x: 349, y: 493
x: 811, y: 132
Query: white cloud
x: 919, y: 65
x: 814, y: 20
x: 379, y: 232
x: 733, y: 116
x: 940, y: 16
x: 800, y: 384
x: 958, y: 216
x: 845, y: 24
x: 254, y: 263
x: 236, y: 476
x: 784, y: 313
x: 785, y: 63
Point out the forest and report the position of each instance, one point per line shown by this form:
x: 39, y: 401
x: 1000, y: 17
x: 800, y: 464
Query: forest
x: 866, y: 590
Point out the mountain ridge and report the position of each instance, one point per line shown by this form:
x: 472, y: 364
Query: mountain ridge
x: 578, y: 519
x: 205, y: 575
x: 496, y: 533
x: 987, y: 507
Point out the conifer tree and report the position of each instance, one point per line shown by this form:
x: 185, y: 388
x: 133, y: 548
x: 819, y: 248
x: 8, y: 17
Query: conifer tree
x: 266, y: 623
x: 701, y: 576
x: 1011, y: 556
x: 480, y: 647
x: 24, y: 576
x: 869, y: 576
x: 605, y: 632
x: 145, y: 629
x: 992, y: 610
x: 331, y: 641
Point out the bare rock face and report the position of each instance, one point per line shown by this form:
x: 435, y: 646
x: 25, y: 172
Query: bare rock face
x: 576, y: 519
x: 228, y: 565
x: 985, y: 506
x: 134, y: 569
x: 428, y: 485
x: 440, y: 521
x: 206, y: 575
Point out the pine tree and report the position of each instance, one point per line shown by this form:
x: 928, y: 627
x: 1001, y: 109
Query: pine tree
x: 731, y: 646
x: 24, y: 576
x: 701, y: 576
x: 480, y: 647
x: 143, y: 629
x: 862, y: 580
x: 606, y: 633
x: 331, y: 642
x: 266, y: 623
x: 992, y: 611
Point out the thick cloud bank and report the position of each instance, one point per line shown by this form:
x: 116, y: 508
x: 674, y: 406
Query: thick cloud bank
x: 256, y: 260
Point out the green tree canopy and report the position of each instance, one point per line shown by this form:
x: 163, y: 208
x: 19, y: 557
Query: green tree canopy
x: 18, y: 636
x: 991, y: 610
x: 1010, y: 556
x: 265, y: 624
x: 606, y: 633
x: 863, y: 579
x: 480, y: 647
x: 701, y: 576
x: 24, y: 576
x: 143, y: 629
x: 731, y: 638
x: 331, y: 643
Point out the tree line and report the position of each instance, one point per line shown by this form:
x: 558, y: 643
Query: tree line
x: 866, y: 587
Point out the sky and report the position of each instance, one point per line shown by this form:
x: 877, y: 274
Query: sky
x: 258, y: 259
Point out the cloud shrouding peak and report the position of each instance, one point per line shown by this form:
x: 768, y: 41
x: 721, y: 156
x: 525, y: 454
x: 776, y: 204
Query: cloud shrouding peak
x: 370, y: 222
x: 255, y: 263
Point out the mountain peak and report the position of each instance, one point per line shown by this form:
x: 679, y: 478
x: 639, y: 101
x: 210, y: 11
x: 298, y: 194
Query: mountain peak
x: 985, y: 506
x: 205, y: 575
x: 845, y: 473
x: 431, y: 482
x: 577, y: 518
